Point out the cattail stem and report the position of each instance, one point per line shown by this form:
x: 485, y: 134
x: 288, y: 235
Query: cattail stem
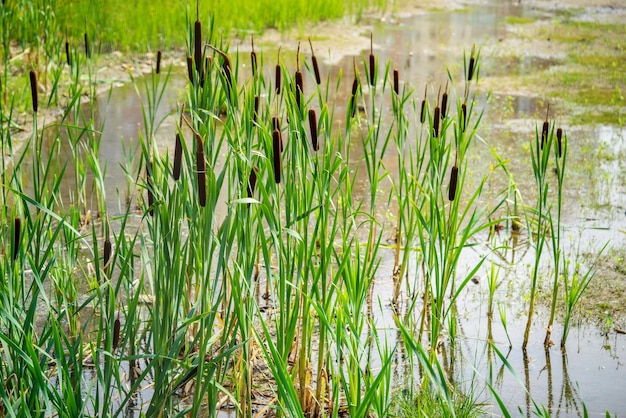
x: 313, y: 128
x: 453, y: 181
x: 33, y: 90
x: 17, y: 237
x: 197, y: 49
x: 277, y: 144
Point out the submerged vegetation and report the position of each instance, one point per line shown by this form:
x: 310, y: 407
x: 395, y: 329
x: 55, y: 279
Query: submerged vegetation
x: 241, y: 268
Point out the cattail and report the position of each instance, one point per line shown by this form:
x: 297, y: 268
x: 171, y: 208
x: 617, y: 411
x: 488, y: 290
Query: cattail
x: 372, y: 62
x: 200, y: 170
x: 149, y: 187
x: 470, y: 71
x: 158, y: 62
x: 464, y: 114
x: 278, y: 79
x: 544, y: 132
x: 276, y: 127
x: 197, y: 49
x: 559, y: 139
x: 299, y: 89
x: 453, y: 180
x: 355, y: 88
x: 423, y: 109
x: 255, y: 115
x: 253, y: 59
x: 444, y: 104
x: 33, y: 90
x: 178, y: 157
x: 227, y: 71
x: 436, y: 122
x: 313, y: 128
x: 106, y: 256
x: 252, y: 181
x: 68, y: 57
x: 396, y: 81
x: 116, y: 332
x: 316, y: 69
x: 17, y: 236
x: 87, y: 51
x: 277, y: 144
x: 190, y: 68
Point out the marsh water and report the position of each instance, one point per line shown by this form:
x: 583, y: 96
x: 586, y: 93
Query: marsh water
x: 423, y: 46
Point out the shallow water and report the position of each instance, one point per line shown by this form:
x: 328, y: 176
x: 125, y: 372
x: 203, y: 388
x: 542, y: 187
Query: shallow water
x: 422, y: 47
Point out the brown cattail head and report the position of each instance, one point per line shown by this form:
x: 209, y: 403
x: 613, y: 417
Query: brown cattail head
x: 33, y: 90
x: 252, y: 181
x: 299, y: 89
x: 178, y: 157
x: 200, y: 170
x: 276, y: 127
x: 436, y: 122
x: 423, y: 111
x: 278, y: 79
x: 197, y: 48
x: 396, y: 81
x: 116, y: 332
x: 158, y: 62
x: 454, y: 175
x: 68, y: 57
x: 253, y: 58
x: 17, y: 236
x: 444, y: 104
x: 372, y: 62
x: 313, y: 128
x: 190, y: 68
x: 106, y: 256
x: 470, y: 70
x: 544, y: 133
x: 316, y: 68
x: 559, y: 139
x: 87, y: 49
x: 255, y: 115
x: 464, y: 115
x: 227, y: 71
x: 277, y: 144
x: 149, y: 187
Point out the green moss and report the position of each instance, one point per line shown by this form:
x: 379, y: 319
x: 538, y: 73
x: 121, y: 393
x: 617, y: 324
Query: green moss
x: 518, y: 20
